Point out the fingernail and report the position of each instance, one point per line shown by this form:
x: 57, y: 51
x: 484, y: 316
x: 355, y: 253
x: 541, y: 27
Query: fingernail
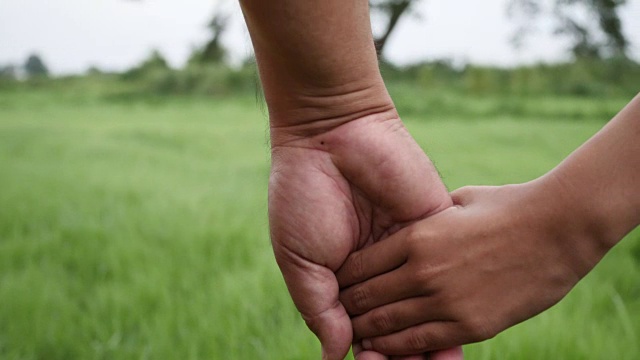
x: 366, y: 344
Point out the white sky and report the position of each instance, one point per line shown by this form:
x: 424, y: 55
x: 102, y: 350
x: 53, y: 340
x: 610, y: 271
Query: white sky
x: 72, y: 35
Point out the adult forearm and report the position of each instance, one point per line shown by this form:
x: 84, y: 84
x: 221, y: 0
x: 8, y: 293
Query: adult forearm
x: 345, y: 172
x: 317, y: 60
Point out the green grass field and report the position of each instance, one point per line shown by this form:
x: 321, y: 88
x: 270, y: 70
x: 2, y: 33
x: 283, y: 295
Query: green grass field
x: 138, y: 230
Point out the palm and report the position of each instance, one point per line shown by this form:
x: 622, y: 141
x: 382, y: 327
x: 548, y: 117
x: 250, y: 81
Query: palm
x: 335, y: 193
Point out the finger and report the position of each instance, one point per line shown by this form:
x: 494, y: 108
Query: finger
x: 466, y: 195
x: 381, y: 290
x: 332, y: 331
x: 374, y: 260
x: 394, y: 317
x: 361, y: 354
x: 426, y: 337
x: 370, y: 355
x: 462, y: 196
x: 314, y: 290
x: 449, y: 354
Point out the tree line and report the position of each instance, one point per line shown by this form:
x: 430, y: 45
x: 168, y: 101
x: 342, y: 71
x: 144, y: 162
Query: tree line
x: 593, y: 27
x: 600, y: 64
x: 33, y: 67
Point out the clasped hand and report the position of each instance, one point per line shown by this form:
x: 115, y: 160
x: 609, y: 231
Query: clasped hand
x: 460, y: 276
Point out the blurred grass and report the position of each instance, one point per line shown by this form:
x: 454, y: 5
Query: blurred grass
x: 137, y: 229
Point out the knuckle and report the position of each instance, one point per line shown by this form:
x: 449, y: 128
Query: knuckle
x: 381, y: 321
x: 424, y: 280
x: 356, y: 268
x: 465, y: 190
x: 460, y: 196
x: 414, y: 237
x: 479, y: 329
x: 417, y: 239
x: 359, y: 299
x: 417, y: 342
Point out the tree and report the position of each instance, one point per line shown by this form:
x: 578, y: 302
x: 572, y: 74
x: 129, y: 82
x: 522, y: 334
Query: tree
x: 593, y: 26
x: 35, y: 67
x: 155, y: 61
x: 152, y: 64
x: 609, y: 21
x: 392, y: 10
x: 213, y: 51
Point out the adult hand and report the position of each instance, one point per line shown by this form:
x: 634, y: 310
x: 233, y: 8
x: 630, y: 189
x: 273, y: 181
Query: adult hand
x: 338, y: 190
x: 500, y: 256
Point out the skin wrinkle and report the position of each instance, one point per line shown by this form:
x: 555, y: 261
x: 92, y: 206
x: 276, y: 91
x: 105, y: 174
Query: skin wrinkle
x: 323, y: 99
x: 363, y: 90
x: 325, y: 124
x: 288, y: 232
x: 314, y: 117
x: 312, y: 318
x: 394, y: 126
x: 340, y: 92
x: 374, y: 234
x: 384, y: 174
x: 364, y: 236
x: 293, y: 257
x: 350, y: 194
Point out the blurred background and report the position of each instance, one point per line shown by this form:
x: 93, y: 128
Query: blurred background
x: 134, y: 163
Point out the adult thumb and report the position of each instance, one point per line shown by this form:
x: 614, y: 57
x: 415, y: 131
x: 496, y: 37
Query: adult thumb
x: 333, y: 328
x: 314, y: 290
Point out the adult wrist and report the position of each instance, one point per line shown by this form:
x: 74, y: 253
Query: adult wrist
x: 307, y: 116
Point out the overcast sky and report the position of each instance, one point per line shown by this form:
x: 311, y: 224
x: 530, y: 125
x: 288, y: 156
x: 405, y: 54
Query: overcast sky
x: 72, y: 35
